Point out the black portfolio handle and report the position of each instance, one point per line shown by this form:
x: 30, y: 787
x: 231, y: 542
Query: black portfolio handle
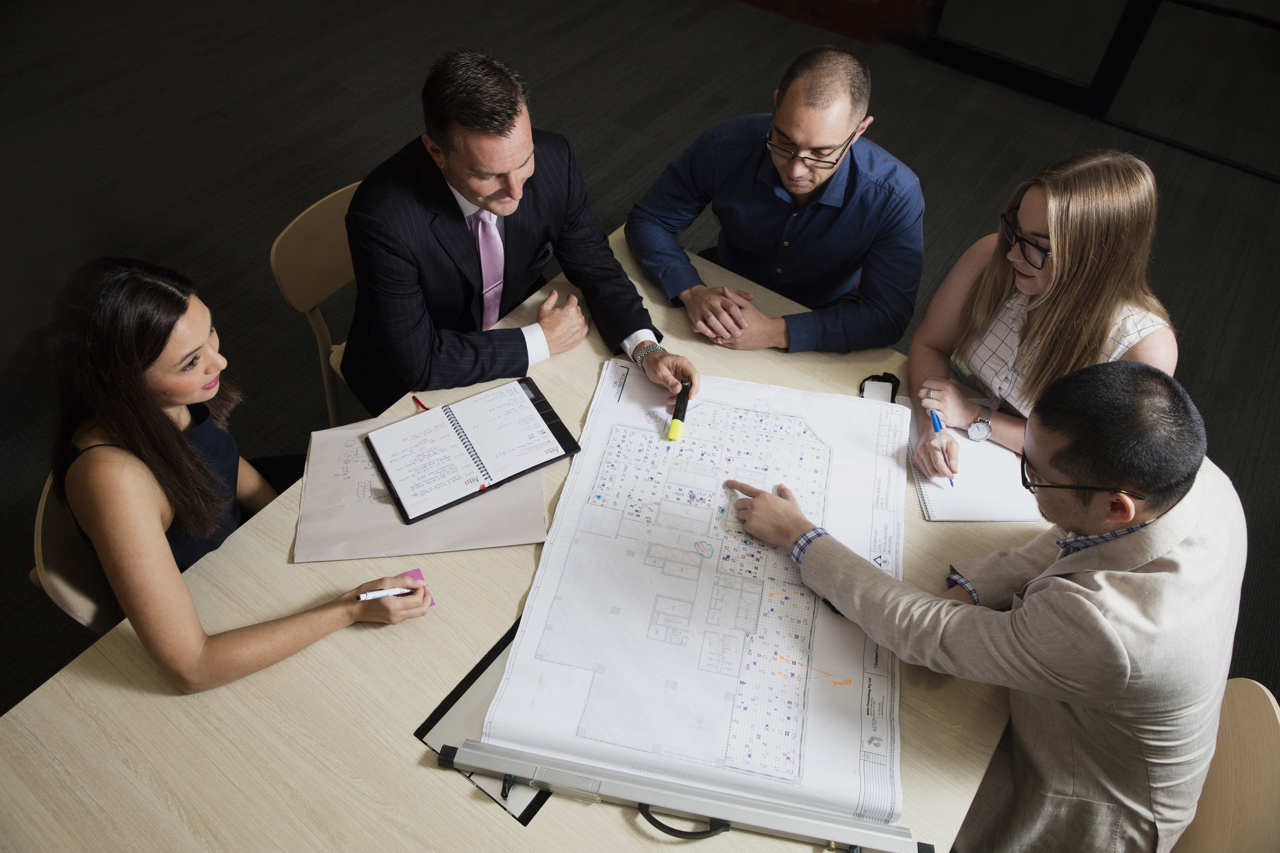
x: 717, y: 826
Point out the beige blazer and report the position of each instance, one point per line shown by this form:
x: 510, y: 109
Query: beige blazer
x: 1115, y: 657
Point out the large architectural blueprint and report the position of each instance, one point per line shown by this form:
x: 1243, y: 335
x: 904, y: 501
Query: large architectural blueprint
x: 660, y: 639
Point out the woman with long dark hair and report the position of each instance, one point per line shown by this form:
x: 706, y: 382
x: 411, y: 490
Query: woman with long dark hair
x: 144, y: 460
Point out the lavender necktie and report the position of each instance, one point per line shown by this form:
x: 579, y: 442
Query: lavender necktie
x: 491, y: 257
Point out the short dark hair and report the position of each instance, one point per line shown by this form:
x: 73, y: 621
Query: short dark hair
x: 1127, y: 424
x: 827, y: 72
x: 474, y: 91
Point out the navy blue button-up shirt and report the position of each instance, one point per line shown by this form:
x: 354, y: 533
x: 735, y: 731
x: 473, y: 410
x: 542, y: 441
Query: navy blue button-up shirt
x: 853, y: 254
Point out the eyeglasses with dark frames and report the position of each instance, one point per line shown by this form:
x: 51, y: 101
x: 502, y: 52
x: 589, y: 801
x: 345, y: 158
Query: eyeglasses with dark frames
x: 1031, y: 486
x: 1034, y: 255
x: 811, y: 162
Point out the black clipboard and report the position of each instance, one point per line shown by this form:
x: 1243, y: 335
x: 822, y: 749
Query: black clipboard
x: 560, y: 432
x: 494, y: 658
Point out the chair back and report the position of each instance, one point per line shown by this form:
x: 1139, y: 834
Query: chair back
x: 69, y: 570
x: 311, y: 261
x: 1239, y: 808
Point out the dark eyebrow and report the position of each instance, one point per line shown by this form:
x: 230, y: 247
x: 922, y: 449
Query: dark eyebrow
x: 495, y: 174
x: 187, y: 357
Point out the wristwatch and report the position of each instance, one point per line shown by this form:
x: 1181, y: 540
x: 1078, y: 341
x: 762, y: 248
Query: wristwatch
x: 980, y: 429
x: 638, y: 355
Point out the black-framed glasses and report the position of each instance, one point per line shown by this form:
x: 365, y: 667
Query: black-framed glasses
x: 1031, y: 486
x: 1035, y: 255
x: 811, y: 162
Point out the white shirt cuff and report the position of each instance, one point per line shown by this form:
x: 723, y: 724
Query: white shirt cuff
x: 535, y: 341
x: 635, y: 339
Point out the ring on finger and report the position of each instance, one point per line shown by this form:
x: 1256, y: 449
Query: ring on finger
x: 930, y: 394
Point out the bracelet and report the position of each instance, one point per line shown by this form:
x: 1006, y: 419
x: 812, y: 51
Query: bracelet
x: 639, y: 355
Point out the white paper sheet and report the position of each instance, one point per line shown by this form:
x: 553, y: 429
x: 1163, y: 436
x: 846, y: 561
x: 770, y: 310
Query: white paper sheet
x: 660, y: 639
x: 348, y: 514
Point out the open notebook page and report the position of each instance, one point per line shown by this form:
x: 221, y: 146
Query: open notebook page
x: 988, y: 487
x: 506, y: 430
x: 426, y: 462
x: 438, y: 457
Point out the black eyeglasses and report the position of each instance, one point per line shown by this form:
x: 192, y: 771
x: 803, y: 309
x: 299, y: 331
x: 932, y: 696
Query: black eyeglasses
x: 811, y: 162
x: 1031, y: 486
x: 1035, y: 255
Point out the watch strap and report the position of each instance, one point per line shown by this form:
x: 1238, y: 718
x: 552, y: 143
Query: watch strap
x: 639, y: 355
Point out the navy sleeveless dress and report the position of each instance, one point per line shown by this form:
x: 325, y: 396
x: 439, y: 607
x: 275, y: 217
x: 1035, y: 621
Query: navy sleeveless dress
x: 218, y: 448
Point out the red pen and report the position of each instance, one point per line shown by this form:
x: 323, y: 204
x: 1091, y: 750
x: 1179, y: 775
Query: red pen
x: 419, y: 402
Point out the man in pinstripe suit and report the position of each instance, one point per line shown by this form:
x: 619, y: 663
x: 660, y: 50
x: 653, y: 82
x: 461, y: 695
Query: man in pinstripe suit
x: 454, y: 231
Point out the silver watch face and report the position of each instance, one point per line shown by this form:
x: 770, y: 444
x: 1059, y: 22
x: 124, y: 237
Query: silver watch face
x: 980, y: 431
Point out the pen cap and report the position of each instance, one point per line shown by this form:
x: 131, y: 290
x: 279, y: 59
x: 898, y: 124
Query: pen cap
x: 937, y: 424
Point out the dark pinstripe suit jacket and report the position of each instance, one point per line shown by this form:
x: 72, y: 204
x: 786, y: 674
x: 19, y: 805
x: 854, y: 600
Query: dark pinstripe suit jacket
x: 418, y: 295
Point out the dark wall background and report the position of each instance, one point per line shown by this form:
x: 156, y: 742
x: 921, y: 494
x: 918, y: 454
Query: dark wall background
x: 191, y: 135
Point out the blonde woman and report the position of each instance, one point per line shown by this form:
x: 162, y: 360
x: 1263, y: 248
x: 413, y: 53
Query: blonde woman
x: 1062, y: 285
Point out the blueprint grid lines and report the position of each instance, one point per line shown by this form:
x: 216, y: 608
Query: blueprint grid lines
x: 671, y: 639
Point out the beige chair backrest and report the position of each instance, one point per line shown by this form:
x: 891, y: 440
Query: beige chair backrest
x: 310, y: 261
x: 68, y: 570
x: 1239, y: 809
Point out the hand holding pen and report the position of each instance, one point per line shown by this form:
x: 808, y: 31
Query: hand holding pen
x: 937, y: 431
x: 388, y: 600
x: 937, y: 453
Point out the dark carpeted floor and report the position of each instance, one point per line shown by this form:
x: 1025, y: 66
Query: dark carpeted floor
x: 190, y: 135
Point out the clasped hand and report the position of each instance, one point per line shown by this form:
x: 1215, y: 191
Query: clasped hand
x: 728, y: 317
x: 776, y: 519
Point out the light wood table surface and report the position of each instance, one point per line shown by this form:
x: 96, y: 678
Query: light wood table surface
x: 317, y: 752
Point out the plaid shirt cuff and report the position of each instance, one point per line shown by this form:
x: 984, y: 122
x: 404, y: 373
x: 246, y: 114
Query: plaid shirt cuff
x: 956, y: 579
x: 805, y: 540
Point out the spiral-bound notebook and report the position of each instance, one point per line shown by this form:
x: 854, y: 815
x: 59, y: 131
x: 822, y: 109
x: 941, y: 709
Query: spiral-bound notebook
x: 442, y: 457
x: 988, y: 487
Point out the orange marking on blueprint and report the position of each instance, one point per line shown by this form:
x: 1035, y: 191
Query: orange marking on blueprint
x: 805, y: 665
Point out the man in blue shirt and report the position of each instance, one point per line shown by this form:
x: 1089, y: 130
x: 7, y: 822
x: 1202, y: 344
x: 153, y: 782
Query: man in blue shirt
x: 806, y: 208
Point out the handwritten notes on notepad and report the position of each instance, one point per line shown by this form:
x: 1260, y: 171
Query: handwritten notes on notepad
x: 442, y: 457
x: 988, y: 487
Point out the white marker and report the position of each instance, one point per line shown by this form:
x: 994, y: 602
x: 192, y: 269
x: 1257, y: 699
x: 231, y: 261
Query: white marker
x: 382, y: 593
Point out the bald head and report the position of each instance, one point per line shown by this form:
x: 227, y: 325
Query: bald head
x: 821, y: 76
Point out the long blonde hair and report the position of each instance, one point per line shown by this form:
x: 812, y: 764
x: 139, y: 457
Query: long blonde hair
x: 1102, y: 222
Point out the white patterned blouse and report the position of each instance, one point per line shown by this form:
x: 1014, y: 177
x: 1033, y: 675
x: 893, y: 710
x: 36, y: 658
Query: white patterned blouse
x: 989, y: 366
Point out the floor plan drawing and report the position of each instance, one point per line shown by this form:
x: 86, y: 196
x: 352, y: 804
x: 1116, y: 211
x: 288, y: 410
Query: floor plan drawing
x: 672, y: 638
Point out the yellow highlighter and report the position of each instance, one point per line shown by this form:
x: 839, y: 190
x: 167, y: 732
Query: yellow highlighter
x: 677, y: 418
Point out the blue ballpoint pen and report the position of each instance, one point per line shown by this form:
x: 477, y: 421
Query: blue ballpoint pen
x: 937, y: 429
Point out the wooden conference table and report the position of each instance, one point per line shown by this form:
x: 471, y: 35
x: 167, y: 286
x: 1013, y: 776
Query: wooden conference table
x: 317, y: 752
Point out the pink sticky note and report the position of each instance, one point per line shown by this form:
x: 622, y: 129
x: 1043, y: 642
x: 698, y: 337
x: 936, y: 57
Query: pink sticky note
x: 417, y: 573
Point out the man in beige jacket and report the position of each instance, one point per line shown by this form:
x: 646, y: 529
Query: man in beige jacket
x: 1113, y: 631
